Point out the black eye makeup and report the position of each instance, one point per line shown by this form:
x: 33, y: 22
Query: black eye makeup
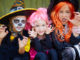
x: 16, y: 21
x: 23, y: 21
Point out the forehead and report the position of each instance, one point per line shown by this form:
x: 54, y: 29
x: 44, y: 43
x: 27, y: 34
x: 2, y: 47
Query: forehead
x: 19, y: 17
x: 65, y: 7
x: 40, y: 22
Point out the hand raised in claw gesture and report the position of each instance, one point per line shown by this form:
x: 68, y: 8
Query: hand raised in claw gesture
x: 76, y: 20
x: 32, y: 33
x: 49, y: 29
x: 22, y: 43
x: 3, y: 32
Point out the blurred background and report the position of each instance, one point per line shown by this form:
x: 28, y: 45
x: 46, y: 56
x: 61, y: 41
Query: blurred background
x: 5, y: 5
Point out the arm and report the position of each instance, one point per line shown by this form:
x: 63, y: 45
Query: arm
x: 74, y: 40
x: 21, y: 50
x: 22, y: 44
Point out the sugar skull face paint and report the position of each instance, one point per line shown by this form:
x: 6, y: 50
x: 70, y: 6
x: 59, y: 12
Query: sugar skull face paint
x: 19, y: 23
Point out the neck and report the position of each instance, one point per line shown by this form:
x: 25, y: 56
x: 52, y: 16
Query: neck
x: 15, y: 33
x: 41, y: 37
x: 64, y: 25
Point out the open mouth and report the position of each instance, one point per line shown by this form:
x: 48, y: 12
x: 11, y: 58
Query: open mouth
x: 41, y: 32
x: 19, y: 27
x: 64, y: 19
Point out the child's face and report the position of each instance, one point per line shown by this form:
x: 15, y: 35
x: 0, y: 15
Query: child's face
x: 64, y: 14
x: 18, y: 23
x: 40, y: 27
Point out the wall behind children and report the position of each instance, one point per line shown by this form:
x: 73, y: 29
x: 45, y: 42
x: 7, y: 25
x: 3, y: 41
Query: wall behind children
x: 5, y: 5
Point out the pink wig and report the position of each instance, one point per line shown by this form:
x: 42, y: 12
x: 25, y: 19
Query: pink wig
x: 40, y: 14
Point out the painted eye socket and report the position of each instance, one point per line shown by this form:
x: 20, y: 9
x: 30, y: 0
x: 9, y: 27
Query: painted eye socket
x: 23, y: 21
x: 16, y: 21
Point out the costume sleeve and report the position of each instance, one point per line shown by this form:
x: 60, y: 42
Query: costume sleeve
x: 4, y: 46
x: 59, y: 45
x: 74, y: 40
x: 48, y: 41
x: 36, y: 44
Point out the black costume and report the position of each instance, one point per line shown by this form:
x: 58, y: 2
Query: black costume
x: 42, y: 46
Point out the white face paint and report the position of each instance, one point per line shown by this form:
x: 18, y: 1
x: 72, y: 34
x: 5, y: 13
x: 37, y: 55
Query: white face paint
x: 19, y: 23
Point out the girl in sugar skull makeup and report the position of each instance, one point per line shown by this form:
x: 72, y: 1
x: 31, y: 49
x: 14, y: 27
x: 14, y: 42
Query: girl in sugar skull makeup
x: 14, y: 39
x: 18, y: 43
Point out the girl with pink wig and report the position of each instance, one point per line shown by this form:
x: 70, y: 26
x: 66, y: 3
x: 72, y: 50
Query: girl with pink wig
x: 41, y: 40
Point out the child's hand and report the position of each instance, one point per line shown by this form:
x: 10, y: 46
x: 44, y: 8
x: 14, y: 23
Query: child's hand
x: 22, y: 43
x: 77, y: 16
x: 3, y: 33
x: 32, y: 33
x: 76, y: 29
x: 79, y: 43
x: 76, y: 20
x: 49, y: 29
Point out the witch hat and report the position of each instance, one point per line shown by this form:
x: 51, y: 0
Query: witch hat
x: 18, y: 4
x: 17, y: 9
x: 54, y: 2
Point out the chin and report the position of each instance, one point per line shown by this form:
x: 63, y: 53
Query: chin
x: 64, y: 23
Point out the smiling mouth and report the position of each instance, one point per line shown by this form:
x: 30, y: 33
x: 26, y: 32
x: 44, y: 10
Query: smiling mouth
x: 40, y: 32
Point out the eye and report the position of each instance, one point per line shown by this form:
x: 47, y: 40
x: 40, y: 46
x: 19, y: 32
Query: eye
x: 43, y: 25
x: 61, y: 12
x: 67, y: 11
x: 37, y: 25
x: 2, y: 26
x: 23, y: 21
x: 16, y: 21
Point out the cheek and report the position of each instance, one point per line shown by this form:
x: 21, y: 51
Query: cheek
x: 23, y: 25
x: 15, y: 25
x: 36, y: 29
x: 69, y: 16
x: 60, y: 16
x: 44, y: 28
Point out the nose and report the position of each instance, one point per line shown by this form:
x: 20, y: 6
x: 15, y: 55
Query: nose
x: 19, y: 24
x: 64, y: 15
